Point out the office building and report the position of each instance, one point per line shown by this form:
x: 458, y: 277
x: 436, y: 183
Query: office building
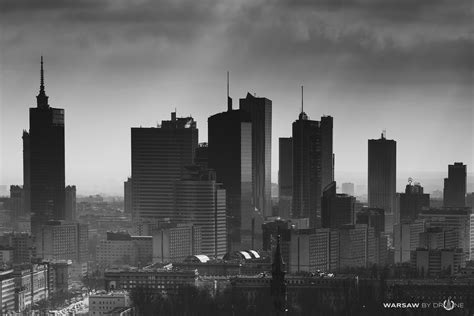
x: 200, y: 200
x: 32, y: 282
x: 230, y: 155
x: 406, y: 238
x: 337, y: 209
x: 57, y: 240
x: 439, y: 238
x: 413, y: 201
x: 127, y: 196
x: 158, y: 279
x: 454, y: 193
x: 176, y: 242
x: 43, y: 158
x: 357, y: 246
x: 260, y: 110
x: 374, y: 217
x: 313, y: 165
x: 7, y: 292
x: 202, y: 156
x: 285, y: 177
x: 16, y: 203
x: 124, y: 249
x: 105, y: 303
x: 382, y: 170
x: 348, y: 188
x: 159, y: 155
x: 438, y: 262
x: 71, y: 203
x: 22, y: 245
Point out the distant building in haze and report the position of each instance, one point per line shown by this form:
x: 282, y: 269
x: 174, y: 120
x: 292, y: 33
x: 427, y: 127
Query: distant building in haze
x: 159, y: 155
x: 285, y: 176
x: 382, y: 170
x: 71, y: 203
x: 348, y: 188
x: 43, y: 161
x: 313, y: 166
x: 337, y: 209
x: 230, y: 155
x: 454, y: 193
x: 413, y: 201
x: 374, y: 217
x: 260, y: 110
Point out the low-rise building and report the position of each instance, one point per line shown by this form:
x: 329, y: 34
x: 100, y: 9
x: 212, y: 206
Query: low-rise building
x: 111, y: 303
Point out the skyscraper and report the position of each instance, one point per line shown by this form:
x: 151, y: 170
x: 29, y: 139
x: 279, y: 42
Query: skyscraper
x: 230, y: 155
x: 127, y: 196
x: 337, y: 209
x: 413, y: 201
x: 285, y: 176
x: 43, y: 161
x: 382, y: 170
x: 454, y: 193
x: 200, y: 200
x: 312, y: 165
x: 70, y: 203
x: 159, y: 155
x: 260, y: 110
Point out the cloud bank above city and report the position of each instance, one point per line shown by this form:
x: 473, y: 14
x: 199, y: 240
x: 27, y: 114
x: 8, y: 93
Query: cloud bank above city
x: 404, y: 66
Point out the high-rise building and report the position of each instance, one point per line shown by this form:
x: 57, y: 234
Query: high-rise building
x: 348, y: 188
x: 201, y: 158
x: 230, y: 155
x: 260, y: 110
x: 200, y: 200
x: 127, y: 196
x: 159, y: 155
x: 16, y: 202
x: 313, y: 166
x: 454, y: 193
x: 71, y: 203
x: 374, y: 217
x: 357, y: 246
x: 406, y: 238
x: 337, y: 209
x: 382, y: 166
x: 176, y: 242
x: 413, y: 201
x: 285, y: 177
x: 43, y: 159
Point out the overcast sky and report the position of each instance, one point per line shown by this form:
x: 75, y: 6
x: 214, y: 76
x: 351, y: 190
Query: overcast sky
x: 401, y: 65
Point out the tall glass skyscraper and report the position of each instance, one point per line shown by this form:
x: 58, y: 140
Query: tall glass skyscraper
x: 159, y: 156
x: 43, y: 161
x: 382, y: 171
x: 260, y: 110
x: 454, y: 193
x: 230, y: 155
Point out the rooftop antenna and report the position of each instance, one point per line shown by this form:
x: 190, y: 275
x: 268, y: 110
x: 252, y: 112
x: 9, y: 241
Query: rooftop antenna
x: 229, y: 100
x: 302, y: 108
x: 384, y: 134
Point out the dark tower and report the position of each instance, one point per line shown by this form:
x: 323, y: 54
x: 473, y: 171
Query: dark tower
x: 277, y: 284
x: 454, y: 193
x: 260, y: 110
x: 43, y: 156
x: 382, y: 170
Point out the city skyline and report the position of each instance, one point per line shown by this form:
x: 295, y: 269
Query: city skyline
x: 136, y: 78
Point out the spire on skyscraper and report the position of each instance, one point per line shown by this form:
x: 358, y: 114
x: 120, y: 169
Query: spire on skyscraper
x: 302, y: 115
x: 42, y: 98
x: 229, y: 99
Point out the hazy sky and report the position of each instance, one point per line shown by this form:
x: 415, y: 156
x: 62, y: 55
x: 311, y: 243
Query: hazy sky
x: 401, y: 65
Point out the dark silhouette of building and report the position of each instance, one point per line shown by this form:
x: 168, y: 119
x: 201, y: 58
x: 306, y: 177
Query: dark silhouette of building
x: 272, y: 229
x: 373, y: 217
x: 16, y: 203
x: 230, y: 155
x: 277, y: 283
x: 260, y: 110
x: 413, y: 201
x: 43, y: 160
x: 71, y: 203
x: 127, y: 196
x: 382, y: 170
x: 202, y: 155
x: 311, y: 142
x: 454, y: 193
x: 337, y: 209
x: 285, y: 177
x: 159, y: 155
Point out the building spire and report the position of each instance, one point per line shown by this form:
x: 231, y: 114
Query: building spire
x: 42, y: 98
x: 229, y: 99
x: 302, y: 107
